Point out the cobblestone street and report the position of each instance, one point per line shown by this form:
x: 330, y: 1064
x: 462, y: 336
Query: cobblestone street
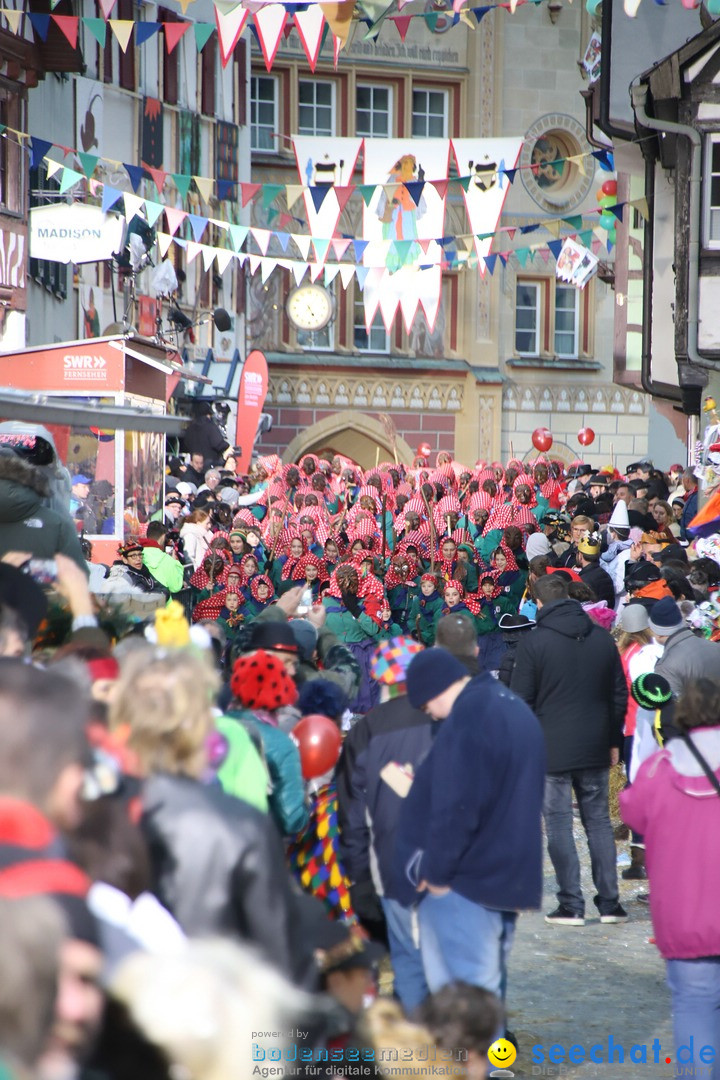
x: 572, y: 985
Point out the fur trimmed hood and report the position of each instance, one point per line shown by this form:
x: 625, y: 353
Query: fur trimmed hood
x: 17, y: 471
x: 22, y: 488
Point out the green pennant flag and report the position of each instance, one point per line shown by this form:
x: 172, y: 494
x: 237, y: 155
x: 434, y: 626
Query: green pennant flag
x: 89, y: 163
x: 153, y: 211
x: 367, y: 191
x: 270, y: 193
x: 237, y: 235
x: 321, y: 249
x: 203, y: 33
x: 521, y: 254
x: 70, y: 177
x: 182, y: 183
x: 98, y: 29
x: 585, y: 238
x: 403, y: 250
x: 464, y: 182
x: 431, y: 19
x: 271, y: 215
x: 575, y: 222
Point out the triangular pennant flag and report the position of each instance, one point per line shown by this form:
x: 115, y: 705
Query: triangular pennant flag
x: 38, y: 150
x: 555, y: 246
x: 521, y: 254
x: 226, y: 190
x: 159, y: 176
x: 69, y: 178
x: 524, y: 229
x: 262, y: 239
x: 164, y: 241
x: 415, y: 190
x: 575, y: 222
x: 292, y: 194
x: 578, y: 160
x: 441, y: 187
x: 266, y: 268
x: 311, y: 30
x: 342, y: 194
x: 109, y: 197
x: 331, y: 272
x: 511, y: 233
x: 270, y: 193
x: 478, y: 12
x: 203, y: 33
x: 318, y: 196
x: 185, y: 4
x: 503, y: 257
x: 596, y: 245
x: 402, y: 249
x: 346, y: 273
x: 316, y: 270
x: 641, y: 205
x: 174, y: 218
x: 340, y: 245
x: 13, y: 18
x: 40, y: 24
x: 182, y: 183
x: 552, y: 226
x: 193, y: 250
x: 54, y: 166
x: 205, y: 186
x: 133, y: 205
x: 389, y: 303
x: 545, y: 254
x: 464, y: 182
x: 106, y: 7
x: 229, y: 28
x: 585, y: 237
x: 122, y: 29
x: 144, y: 31
x: 283, y: 239
x: 403, y: 24
x: 361, y: 273
x: 153, y: 210
x: 98, y: 29
x: 367, y: 191
x: 198, y: 225
x: 303, y: 244
x: 510, y: 173
x: 269, y: 23
x: 135, y: 173
x: 338, y: 44
x: 617, y: 210
x: 604, y: 157
x: 248, y: 192
x: 299, y: 270
x: 321, y: 249
x: 223, y: 258
x: 173, y: 32
x: 253, y: 262
x: 490, y: 261
x: 208, y: 255
x: 68, y: 24
x: 431, y: 20
x: 238, y: 234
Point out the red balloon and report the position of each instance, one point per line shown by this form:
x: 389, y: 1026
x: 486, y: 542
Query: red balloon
x: 424, y: 449
x: 319, y: 741
x: 609, y: 187
x: 542, y: 439
x: 586, y: 436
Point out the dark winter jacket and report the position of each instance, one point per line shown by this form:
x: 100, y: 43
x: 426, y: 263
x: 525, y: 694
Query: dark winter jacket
x: 472, y: 820
x: 686, y: 658
x: 217, y: 864
x: 368, y: 807
x: 600, y: 582
x: 26, y: 522
x: 569, y: 672
x: 282, y: 758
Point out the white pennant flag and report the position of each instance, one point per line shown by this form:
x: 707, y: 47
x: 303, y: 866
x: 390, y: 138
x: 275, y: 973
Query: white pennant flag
x: 310, y: 26
x: 208, y: 254
x: 303, y: 244
x: 223, y: 258
x: 347, y: 271
x: 164, y: 241
x: 133, y: 205
x: 299, y: 270
x: 266, y: 268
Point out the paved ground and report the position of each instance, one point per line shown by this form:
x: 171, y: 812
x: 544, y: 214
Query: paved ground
x: 580, y: 985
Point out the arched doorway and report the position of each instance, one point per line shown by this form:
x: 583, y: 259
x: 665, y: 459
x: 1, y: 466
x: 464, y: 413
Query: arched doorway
x: 360, y: 437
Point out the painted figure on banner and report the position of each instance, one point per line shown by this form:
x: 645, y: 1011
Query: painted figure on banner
x: 325, y: 163
x: 486, y: 161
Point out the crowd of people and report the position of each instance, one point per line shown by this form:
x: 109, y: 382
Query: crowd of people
x: 314, y: 715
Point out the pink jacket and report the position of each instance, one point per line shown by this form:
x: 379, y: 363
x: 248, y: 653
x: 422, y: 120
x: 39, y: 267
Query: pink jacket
x: 677, y: 811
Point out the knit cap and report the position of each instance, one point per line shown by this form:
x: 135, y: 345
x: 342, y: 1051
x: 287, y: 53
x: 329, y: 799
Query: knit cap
x: 391, y: 659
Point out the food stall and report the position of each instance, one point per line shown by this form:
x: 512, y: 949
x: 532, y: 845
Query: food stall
x: 105, y: 402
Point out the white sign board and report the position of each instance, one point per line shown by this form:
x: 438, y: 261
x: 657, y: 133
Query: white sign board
x: 74, y: 233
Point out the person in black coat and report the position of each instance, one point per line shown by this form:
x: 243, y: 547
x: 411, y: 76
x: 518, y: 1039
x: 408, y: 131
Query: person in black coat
x: 592, y: 573
x: 569, y: 672
x: 203, y: 436
x: 513, y: 628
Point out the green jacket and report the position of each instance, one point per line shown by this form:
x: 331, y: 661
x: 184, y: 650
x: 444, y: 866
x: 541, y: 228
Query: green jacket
x: 422, y: 619
x: 345, y: 626
x: 243, y: 772
x: 282, y: 758
x: 168, y: 571
x: 26, y: 522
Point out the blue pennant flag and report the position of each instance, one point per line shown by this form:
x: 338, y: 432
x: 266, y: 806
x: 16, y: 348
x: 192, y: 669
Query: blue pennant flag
x: 359, y: 248
x: 109, y: 197
x: 606, y: 160
x: 225, y: 190
x: 40, y: 24
x: 555, y: 246
x: 198, y: 225
x: 318, y: 196
x: 617, y: 210
x: 361, y: 273
x: 415, y: 190
x: 490, y: 263
x: 283, y: 238
x: 145, y: 30
x: 38, y: 150
x: 136, y: 173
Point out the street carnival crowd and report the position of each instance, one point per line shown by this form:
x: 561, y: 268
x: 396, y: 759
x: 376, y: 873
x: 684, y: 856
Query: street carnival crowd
x: 276, y: 784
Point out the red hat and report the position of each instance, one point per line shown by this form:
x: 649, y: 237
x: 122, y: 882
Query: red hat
x: 260, y: 681
x: 572, y: 574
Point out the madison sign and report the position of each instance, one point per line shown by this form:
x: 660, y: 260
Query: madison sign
x: 74, y: 233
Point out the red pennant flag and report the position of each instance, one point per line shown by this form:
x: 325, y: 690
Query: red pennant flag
x: 424, y: 244
x: 343, y: 194
x: 403, y: 24
x: 511, y: 233
x: 69, y: 26
x: 441, y: 187
x: 174, y: 218
x: 248, y: 192
x: 173, y: 32
x: 158, y: 175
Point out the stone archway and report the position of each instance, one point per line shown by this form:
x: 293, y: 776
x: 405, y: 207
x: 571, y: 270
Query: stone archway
x: 357, y: 435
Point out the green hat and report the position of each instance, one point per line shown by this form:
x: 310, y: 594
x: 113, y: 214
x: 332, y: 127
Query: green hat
x: 651, y: 691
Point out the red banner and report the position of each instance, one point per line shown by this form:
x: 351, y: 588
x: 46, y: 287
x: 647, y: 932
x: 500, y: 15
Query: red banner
x: 251, y: 398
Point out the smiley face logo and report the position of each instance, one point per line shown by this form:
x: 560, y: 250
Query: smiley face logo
x: 502, y: 1053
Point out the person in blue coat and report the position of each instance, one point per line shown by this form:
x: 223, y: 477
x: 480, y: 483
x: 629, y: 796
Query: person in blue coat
x: 469, y: 839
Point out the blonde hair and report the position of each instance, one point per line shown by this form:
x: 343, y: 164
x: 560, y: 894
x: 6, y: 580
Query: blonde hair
x: 625, y: 638
x: 584, y: 520
x: 164, y: 698
x: 395, y: 1039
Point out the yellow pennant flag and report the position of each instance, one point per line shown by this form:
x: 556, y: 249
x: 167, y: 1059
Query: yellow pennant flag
x: 122, y: 29
x: 205, y: 187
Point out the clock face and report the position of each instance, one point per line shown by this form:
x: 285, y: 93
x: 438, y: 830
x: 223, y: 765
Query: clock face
x: 309, y: 307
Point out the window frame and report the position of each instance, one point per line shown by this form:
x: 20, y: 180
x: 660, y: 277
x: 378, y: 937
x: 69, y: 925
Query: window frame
x: 539, y: 291
x: 372, y: 87
x: 377, y: 324
x: 710, y: 243
x: 333, y: 106
x: 428, y: 89
x: 576, y: 327
x: 52, y: 276
x: 275, y: 148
